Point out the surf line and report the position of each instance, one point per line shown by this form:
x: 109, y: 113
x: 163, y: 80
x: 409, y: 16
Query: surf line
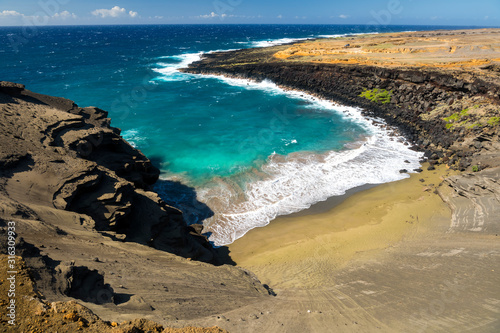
x: 377, y: 159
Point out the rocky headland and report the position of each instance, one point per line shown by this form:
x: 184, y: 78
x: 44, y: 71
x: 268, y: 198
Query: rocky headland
x: 418, y: 255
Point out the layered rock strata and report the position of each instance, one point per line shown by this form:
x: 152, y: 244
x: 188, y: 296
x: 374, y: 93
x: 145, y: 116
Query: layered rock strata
x: 64, y: 157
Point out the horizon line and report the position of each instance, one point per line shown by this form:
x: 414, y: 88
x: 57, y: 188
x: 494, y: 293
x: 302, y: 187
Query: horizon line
x: 318, y: 24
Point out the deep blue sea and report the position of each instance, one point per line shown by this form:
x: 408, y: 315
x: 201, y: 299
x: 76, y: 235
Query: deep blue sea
x: 251, y: 150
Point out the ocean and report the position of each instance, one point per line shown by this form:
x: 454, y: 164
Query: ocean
x: 250, y: 151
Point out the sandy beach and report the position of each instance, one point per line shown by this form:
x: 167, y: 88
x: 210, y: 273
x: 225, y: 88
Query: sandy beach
x: 303, y: 251
x: 385, y: 259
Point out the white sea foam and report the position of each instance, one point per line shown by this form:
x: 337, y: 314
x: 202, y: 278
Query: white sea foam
x: 170, y: 71
x: 266, y: 85
x: 274, y: 42
x: 288, y: 184
x: 135, y: 138
x: 295, y: 182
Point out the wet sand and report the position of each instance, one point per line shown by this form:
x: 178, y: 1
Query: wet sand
x: 303, y: 249
x: 384, y: 260
x: 330, y: 203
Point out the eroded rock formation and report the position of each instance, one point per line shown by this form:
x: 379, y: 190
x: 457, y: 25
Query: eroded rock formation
x: 58, y: 155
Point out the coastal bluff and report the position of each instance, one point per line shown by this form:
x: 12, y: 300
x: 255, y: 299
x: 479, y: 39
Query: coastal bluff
x: 89, y: 227
x: 97, y: 248
x: 416, y: 255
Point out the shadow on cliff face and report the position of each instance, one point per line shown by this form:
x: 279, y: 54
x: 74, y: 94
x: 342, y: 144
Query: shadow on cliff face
x: 181, y: 196
x: 194, y: 212
x: 184, y: 198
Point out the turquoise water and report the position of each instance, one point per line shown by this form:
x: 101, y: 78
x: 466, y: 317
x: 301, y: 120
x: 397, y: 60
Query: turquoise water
x: 231, y: 129
x: 250, y: 150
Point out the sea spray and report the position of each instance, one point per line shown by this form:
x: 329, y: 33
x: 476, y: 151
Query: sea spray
x: 237, y: 143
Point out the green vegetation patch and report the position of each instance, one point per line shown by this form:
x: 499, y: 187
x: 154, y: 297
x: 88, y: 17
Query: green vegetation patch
x: 377, y: 95
x: 456, y: 116
x: 459, y: 119
x: 494, y: 121
x: 474, y: 125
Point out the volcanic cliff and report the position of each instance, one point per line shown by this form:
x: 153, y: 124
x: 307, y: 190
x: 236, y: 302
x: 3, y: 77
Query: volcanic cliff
x: 89, y: 227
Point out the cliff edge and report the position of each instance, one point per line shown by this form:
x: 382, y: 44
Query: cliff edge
x: 76, y: 199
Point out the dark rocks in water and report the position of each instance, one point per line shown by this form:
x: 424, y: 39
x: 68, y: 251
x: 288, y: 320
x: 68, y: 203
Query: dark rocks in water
x: 403, y: 171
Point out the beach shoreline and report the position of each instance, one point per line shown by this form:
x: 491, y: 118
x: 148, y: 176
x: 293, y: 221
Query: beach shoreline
x: 344, y: 222
x: 330, y: 203
x: 380, y: 137
x: 381, y: 258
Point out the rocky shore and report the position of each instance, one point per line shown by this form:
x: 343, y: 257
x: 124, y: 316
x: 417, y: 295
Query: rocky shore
x: 421, y: 102
x: 88, y: 226
x: 448, y: 107
x: 418, y: 255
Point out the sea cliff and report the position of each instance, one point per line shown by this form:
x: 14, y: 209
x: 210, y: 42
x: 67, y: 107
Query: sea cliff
x: 80, y: 221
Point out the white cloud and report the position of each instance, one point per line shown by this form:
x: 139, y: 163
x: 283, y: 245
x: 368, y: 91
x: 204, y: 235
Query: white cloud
x: 65, y: 15
x: 211, y: 15
x: 116, y: 11
x: 214, y: 15
x: 280, y: 16
x: 343, y: 16
x: 12, y: 17
x: 6, y: 13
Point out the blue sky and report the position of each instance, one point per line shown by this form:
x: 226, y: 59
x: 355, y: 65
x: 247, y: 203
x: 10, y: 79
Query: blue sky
x: 423, y: 12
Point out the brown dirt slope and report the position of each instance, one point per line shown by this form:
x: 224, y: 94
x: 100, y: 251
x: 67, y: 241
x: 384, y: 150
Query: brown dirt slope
x: 458, y: 49
x: 36, y: 315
